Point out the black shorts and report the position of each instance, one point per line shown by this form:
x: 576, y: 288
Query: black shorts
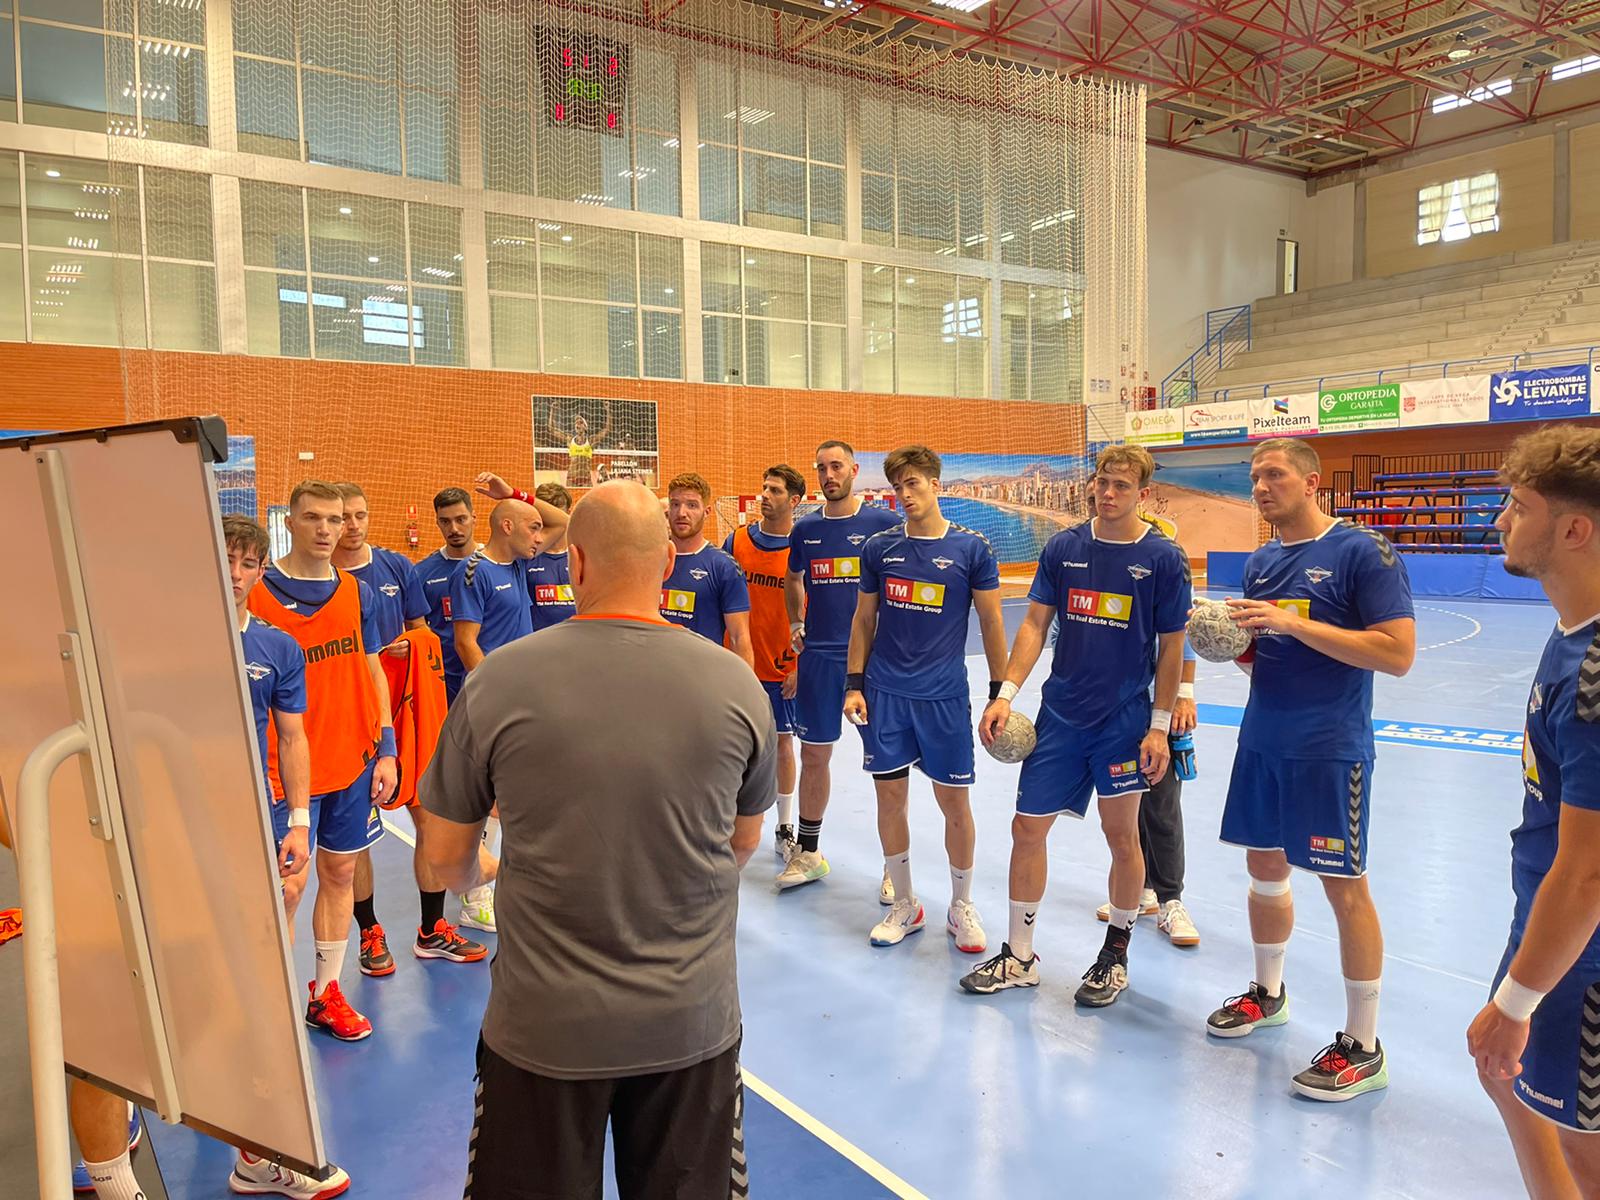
x: 676, y: 1135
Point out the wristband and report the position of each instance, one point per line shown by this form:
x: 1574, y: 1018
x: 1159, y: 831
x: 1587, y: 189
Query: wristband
x: 1161, y: 720
x: 1008, y: 691
x: 855, y: 681
x: 299, y: 818
x: 1516, y: 1001
x: 994, y: 688
x: 796, y: 627
x: 1186, y: 691
x: 386, y: 745
x: 519, y: 494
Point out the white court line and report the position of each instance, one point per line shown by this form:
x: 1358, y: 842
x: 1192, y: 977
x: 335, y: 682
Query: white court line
x: 1477, y: 628
x: 832, y: 1140
x: 789, y: 1108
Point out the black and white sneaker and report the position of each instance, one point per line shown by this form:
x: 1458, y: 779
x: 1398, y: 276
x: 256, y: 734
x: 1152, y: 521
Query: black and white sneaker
x: 1105, y: 981
x: 1254, y: 1009
x: 1343, y: 1071
x: 1004, y: 970
x: 784, y: 843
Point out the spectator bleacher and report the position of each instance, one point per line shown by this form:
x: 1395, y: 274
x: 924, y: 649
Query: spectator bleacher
x: 1424, y: 503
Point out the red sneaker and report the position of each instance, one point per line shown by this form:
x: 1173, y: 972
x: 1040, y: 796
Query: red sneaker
x: 332, y: 1012
x: 10, y: 924
x: 444, y: 942
x: 375, y: 958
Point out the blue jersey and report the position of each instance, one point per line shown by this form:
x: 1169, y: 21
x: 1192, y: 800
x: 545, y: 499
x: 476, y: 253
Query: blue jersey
x: 550, y: 590
x: 306, y: 596
x: 396, y: 591
x: 495, y: 595
x: 1304, y: 704
x: 826, y: 551
x: 1560, y: 755
x: 434, y: 574
x: 275, y: 667
x: 704, y: 587
x: 1113, y: 600
x: 924, y: 587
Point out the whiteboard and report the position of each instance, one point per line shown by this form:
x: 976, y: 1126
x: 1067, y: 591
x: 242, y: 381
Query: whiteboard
x: 178, y: 716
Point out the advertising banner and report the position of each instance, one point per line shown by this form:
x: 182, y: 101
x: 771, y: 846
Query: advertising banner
x: 1222, y: 421
x: 1347, y: 410
x: 1163, y: 427
x: 1543, y: 394
x: 1458, y: 401
x: 1283, y: 416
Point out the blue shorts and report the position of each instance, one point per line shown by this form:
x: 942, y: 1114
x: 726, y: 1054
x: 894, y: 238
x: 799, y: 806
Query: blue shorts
x: 1317, y: 811
x: 783, y: 710
x: 1563, y: 1046
x: 343, y: 822
x: 935, y: 736
x: 1070, y: 765
x: 818, y: 704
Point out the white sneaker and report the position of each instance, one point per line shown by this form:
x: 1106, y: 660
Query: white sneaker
x: 963, y: 923
x: 477, y: 908
x: 784, y: 844
x: 262, y: 1178
x: 903, y: 918
x: 886, y: 890
x: 807, y: 866
x: 1147, y: 906
x: 1175, y: 923
x: 1004, y: 970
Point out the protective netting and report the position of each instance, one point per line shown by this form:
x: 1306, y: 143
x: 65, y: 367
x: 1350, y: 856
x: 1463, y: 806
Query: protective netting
x: 571, y: 243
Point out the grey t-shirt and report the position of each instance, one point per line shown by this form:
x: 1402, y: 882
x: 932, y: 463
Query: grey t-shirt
x: 619, y: 752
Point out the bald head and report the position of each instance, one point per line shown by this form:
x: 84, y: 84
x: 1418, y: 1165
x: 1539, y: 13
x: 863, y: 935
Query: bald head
x: 619, y: 534
x: 514, y: 529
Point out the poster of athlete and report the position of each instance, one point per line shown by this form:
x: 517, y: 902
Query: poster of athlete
x: 579, y: 441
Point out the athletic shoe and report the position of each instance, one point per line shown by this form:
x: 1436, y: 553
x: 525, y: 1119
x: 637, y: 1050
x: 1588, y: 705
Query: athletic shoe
x: 444, y: 942
x: 1148, y: 907
x: 1175, y: 923
x: 80, y: 1174
x: 1105, y: 981
x: 963, y: 923
x: 262, y: 1178
x: 886, y: 890
x: 903, y: 919
x: 1004, y: 970
x: 1343, y: 1071
x: 375, y: 958
x: 807, y: 866
x: 477, y: 908
x: 784, y: 843
x: 1240, y: 1014
x: 332, y: 1012
x: 10, y: 924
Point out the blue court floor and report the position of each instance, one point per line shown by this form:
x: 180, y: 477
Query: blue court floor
x: 871, y: 1074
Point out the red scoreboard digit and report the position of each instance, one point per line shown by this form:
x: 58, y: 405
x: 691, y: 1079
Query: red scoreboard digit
x: 585, y: 81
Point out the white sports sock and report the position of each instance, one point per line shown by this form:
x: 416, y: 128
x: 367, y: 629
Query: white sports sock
x: 491, y: 833
x: 1123, y: 918
x: 330, y: 961
x: 1269, y: 965
x: 1361, y: 1010
x: 1020, y: 937
x: 899, y: 867
x: 114, y: 1180
x: 960, y: 884
x: 786, y: 809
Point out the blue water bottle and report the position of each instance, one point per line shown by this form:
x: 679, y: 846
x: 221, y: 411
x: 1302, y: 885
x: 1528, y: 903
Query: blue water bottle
x: 1182, y: 745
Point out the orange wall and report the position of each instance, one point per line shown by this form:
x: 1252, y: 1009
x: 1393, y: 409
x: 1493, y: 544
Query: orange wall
x: 1338, y: 449
x: 405, y: 432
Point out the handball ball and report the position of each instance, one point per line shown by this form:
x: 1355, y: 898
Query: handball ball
x: 1016, y: 741
x: 1214, y: 635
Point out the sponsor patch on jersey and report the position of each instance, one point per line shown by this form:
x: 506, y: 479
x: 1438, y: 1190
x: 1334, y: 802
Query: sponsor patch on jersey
x: 827, y: 570
x: 1300, y: 606
x: 855, y: 539
x: 1330, y: 845
x: 696, y: 574
x: 1139, y: 571
x: 389, y: 589
x: 1123, y: 770
x: 676, y: 600
x: 553, y: 593
x: 913, y: 591
x: 1111, y: 606
x: 1318, y: 574
x: 257, y: 670
x: 944, y: 564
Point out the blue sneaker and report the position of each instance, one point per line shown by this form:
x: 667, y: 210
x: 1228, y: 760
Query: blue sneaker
x: 80, y: 1173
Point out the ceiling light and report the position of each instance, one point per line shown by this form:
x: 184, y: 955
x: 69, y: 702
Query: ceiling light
x: 53, y: 173
x: 345, y: 211
x: 566, y: 237
x: 1460, y: 50
x: 372, y: 258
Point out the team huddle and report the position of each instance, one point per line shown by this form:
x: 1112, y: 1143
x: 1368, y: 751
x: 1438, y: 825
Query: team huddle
x: 858, y: 614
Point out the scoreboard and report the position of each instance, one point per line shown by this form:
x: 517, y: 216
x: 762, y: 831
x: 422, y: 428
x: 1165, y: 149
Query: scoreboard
x: 585, y: 81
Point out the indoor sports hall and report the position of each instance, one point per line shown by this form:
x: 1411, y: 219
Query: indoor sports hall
x: 526, y: 249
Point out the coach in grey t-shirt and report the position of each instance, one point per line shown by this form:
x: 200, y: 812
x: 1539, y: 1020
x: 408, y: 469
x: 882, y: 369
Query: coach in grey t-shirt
x: 631, y: 763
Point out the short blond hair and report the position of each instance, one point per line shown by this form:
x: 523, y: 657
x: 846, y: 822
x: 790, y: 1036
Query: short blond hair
x: 1560, y: 462
x: 316, y: 488
x: 1127, y: 457
x: 1302, y: 456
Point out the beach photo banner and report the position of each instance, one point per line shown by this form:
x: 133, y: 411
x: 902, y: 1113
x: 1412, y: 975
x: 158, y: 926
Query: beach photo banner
x: 1460, y: 401
x: 1015, y: 500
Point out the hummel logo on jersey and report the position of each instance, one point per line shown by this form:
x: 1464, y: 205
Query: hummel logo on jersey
x: 1139, y: 571
x: 1068, y: 563
x: 812, y: 541
x: 899, y: 559
x: 1318, y: 574
x: 943, y: 563
x: 1261, y: 579
x: 257, y: 670
x: 500, y: 587
x: 441, y: 579
x: 697, y: 574
x: 855, y: 539
x: 389, y: 589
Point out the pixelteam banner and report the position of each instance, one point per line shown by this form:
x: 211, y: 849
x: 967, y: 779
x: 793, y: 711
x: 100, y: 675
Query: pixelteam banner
x: 1545, y: 394
x: 1283, y: 416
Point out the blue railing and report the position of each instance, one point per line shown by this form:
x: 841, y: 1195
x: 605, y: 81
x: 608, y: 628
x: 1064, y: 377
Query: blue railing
x: 1227, y: 335
x: 1551, y: 355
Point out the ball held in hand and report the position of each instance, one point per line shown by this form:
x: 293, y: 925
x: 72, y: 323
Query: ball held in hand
x: 1213, y: 633
x: 1015, y: 741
